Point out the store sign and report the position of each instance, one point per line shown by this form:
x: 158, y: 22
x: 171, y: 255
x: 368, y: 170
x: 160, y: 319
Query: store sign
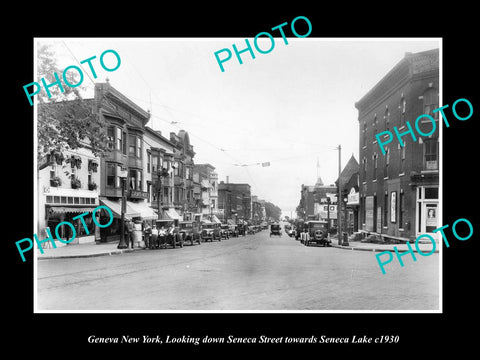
x: 138, y: 194
x: 353, y: 197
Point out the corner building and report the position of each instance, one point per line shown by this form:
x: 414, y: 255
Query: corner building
x: 399, y: 191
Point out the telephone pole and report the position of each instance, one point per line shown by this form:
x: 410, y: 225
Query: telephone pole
x: 339, y: 198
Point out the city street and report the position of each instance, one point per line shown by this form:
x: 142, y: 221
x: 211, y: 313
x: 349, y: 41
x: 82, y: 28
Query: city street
x: 254, y: 272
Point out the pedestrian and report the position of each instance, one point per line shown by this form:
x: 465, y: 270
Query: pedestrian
x: 154, y: 238
x: 162, y: 234
x: 129, y: 233
x: 147, y: 231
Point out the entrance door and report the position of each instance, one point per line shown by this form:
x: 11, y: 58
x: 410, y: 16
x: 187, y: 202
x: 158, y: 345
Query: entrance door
x: 429, y: 216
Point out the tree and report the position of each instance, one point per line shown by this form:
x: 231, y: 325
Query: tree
x: 272, y: 211
x: 66, y: 120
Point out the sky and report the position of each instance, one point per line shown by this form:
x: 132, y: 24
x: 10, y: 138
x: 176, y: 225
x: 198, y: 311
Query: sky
x: 291, y: 107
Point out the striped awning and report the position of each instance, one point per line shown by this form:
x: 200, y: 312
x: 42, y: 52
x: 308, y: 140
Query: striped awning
x: 146, y: 212
x: 172, y: 214
x: 116, y: 207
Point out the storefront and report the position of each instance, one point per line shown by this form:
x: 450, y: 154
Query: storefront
x: 353, y: 203
x: 427, y: 210
x: 62, y: 205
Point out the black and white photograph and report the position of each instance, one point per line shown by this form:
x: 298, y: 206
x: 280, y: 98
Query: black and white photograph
x: 225, y: 179
x: 171, y: 180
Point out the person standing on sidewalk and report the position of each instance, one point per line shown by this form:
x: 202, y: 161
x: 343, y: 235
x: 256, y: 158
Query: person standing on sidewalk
x: 128, y: 233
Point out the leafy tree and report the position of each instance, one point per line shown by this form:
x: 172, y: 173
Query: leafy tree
x: 272, y: 211
x: 66, y: 120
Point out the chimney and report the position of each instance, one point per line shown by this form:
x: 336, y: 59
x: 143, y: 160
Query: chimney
x: 227, y: 179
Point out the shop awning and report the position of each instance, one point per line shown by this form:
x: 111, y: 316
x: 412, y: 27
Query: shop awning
x: 215, y: 219
x: 146, y: 212
x: 116, y: 207
x: 172, y: 214
x: 205, y: 184
x: 230, y: 222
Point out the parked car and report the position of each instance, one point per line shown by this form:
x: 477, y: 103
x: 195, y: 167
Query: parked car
x: 234, y: 230
x: 289, y: 230
x: 170, y: 235
x: 210, y: 231
x: 264, y: 225
x: 316, y: 232
x: 225, y: 231
x: 190, y: 231
x: 275, y: 229
x: 242, y: 230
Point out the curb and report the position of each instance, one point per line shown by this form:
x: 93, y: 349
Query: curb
x: 109, y: 253
x: 372, y: 249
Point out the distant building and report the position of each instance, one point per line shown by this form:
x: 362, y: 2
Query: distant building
x: 399, y: 190
x: 208, y: 180
x: 235, y: 200
x: 349, y: 179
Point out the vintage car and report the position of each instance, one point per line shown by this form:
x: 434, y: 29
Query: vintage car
x: 210, y: 231
x: 190, y: 231
x: 234, y: 231
x: 242, y: 229
x: 316, y: 232
x: 289, y: 230
x: 168, y: 234
x: 299, y: 225
x: 275, y: 229
x: 264, y: 225
x: 225, y: 231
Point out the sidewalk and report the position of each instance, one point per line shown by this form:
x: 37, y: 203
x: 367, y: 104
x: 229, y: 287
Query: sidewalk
x: 363, y: 246
x: 82, y: 250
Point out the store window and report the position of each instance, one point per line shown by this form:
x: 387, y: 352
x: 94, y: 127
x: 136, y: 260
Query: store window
x: 430, y: 147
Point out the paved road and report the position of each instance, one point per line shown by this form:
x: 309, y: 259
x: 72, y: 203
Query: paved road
x: 255, y: 272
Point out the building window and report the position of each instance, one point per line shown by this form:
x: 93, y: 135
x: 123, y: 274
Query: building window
x: 111, y: 137
x: 430, y: 102
x: 135, y: 179
x: 430, y: 147
x: 401, y: 208
x: 149, y: 161
x: 155, y: 167
x: 403, y: 105
x: 124, y: 143
x: 119, y: 139
x: 387, y: 162
x: 139, y: 148
x: 402, y: 158
x: 385, y: 210
x: 364, y: 170
x: 364, y: 132
x: 386, y: 118
x: 111, y: 175
x: 375, y: 163
x: 132, y: 141
x: 113, y: 178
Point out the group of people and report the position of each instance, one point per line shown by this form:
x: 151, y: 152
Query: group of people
x: 147, y: 236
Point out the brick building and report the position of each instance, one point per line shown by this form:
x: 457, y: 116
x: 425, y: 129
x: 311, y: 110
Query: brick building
x: 399, y: 194
x: 235, y: 200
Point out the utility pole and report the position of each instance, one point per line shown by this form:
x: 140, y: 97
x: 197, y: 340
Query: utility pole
x: 339, y: 198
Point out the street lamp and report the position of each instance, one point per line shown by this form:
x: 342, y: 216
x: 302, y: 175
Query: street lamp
x: 123, y: 177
